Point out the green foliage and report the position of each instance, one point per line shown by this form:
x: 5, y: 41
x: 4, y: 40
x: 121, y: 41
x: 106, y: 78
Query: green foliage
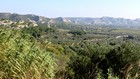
x: 38, y: 31
x: 124, y: 60
x: 88, y: 61
x: 69, y: 53
x: 94, y: 60
x: 77, y: 32
x: 21, y: 57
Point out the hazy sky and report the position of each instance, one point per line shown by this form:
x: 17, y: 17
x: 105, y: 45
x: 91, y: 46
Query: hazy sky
x: 74, y: 8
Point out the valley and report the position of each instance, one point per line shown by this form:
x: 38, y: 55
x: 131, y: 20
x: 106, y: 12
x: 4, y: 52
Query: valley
x: 36, y: 47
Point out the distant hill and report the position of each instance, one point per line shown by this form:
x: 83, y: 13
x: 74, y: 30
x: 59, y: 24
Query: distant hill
x: 28, y: 17
x: 103, y: 21
x: 107, y: 21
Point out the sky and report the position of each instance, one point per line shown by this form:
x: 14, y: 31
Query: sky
x: 74, y: 8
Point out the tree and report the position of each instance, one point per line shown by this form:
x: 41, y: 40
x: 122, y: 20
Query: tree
x: 88, y: 62
x: 124, y: 60
x: 77, y: 32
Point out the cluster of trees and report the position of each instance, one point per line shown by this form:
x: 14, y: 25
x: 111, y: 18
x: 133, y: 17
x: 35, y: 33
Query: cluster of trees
x: 105, y: 61
x: 27, y: 54
x: 77, y: 32
x: 38, y: 31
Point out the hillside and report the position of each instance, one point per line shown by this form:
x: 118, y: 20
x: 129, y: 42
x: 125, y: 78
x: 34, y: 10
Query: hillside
x: 36, y: 47
x: 103, y: 21
x: 19, y: 17
x: 107, y: 21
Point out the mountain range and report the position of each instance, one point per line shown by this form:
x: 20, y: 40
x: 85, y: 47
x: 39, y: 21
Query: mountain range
x: 102, y: 21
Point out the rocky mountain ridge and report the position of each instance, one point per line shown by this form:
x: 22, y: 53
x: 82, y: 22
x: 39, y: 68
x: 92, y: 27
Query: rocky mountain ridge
x: 103, y: 21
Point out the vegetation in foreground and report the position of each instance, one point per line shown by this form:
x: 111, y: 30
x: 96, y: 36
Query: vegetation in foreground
x: 42, y: 53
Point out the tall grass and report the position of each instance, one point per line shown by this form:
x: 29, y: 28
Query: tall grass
x: 21, y: 57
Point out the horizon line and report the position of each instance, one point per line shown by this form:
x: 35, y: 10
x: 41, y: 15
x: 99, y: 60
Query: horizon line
x: 68, y: 16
